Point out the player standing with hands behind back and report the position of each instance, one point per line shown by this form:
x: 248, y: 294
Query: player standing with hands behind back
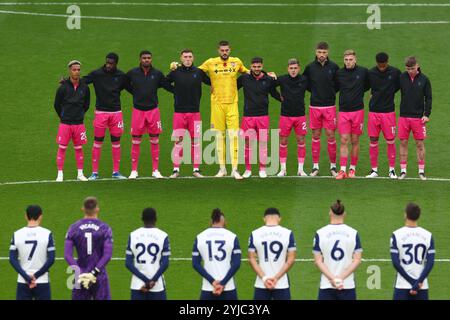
x: 93, y: 241
x: 337, y: 253
x: 220, y: 251
x: 412, y: 254
x: 32, y: 253
x: 274, y: 247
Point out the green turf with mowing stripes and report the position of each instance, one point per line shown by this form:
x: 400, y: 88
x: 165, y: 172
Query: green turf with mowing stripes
x: 35, y: 51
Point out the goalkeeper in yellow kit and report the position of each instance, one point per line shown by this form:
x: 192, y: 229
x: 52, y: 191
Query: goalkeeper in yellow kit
x: 223, y: 72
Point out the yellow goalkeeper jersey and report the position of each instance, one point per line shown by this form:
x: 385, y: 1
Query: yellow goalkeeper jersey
x: 223, y: 75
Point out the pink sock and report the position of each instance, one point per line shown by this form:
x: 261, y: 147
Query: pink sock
x: 247, y: 156
x: 283, y: 152
x: 195, y: 154
x: 403, y: 165
x: 60, y: 157
x: 315, y: 149
x: 79, y: 157
x: 392, y: 153
x: 177, y: 154
x: 373, y: 154
x: 301, y: 153
x: 343, y: 161
x: 354, y: 161
x: 262, y: 155
x: 421, y: 164
x: 154, y: 145
x: 135, y: 151
x: 115, y: 146
x: 96, y: 152
x: 332, y: 150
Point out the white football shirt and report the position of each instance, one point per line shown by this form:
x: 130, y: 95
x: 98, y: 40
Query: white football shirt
x: 272, y: 244
x: 32, y: 244
x: 337, y: 243
x: 216, y: 246
x: 412, y: 244
x: 148, y: 246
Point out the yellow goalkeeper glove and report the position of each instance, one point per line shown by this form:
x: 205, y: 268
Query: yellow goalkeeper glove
x: 88, y: 279
x: 174, y: 65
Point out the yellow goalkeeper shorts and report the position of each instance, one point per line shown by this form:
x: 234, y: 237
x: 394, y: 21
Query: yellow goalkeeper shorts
x: 224, y: 116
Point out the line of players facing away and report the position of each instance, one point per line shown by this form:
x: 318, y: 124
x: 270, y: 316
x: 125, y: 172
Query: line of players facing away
x: 271, y: 251
x: 322, y: 77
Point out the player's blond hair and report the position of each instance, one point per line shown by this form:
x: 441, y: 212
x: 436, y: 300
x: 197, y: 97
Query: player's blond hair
x: 293, y: 61
x: 349, y: 52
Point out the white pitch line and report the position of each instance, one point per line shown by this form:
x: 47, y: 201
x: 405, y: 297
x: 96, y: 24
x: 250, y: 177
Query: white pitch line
x: 321, y: 23
x: 297, y: 260
x: 236, y: 4
x: 9, y: 183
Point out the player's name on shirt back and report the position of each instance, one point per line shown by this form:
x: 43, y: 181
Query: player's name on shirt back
x: 89, y: 226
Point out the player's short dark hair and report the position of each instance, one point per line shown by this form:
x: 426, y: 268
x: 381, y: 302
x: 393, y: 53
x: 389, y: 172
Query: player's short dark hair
x: 257, y: 60
x: 293, y: 61
x: 322, y: 46
x: 412, y: 211
x: 90, y: 203
x: 113, y: 56
x: 382, y: 57
x: 149, y: 216
x: 338, y: 208
x: 410, y: 61
x: 223, y: 43
x: 33, y: 212
x: 144, y: 52
x: 216, y: 215
x: 187, y: 50
x: 272, y: 211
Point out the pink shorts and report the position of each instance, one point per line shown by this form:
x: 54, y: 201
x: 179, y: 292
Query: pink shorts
x: 296, y: 123
x: 145, y: 122
x: 351, y: 122
x: 74, y: 132
x: 322, y: 117
x: 382, y: 122
x: 190, y: 121
x: 406, y: 125
x: 255, y: 127
x: 108, y: 120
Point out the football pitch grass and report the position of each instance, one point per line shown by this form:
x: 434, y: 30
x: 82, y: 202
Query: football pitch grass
x: 37, y: 48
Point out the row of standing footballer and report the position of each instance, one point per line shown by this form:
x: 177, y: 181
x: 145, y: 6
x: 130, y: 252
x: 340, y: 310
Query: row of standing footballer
x: 272, y: 251
x: 226, y: 75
